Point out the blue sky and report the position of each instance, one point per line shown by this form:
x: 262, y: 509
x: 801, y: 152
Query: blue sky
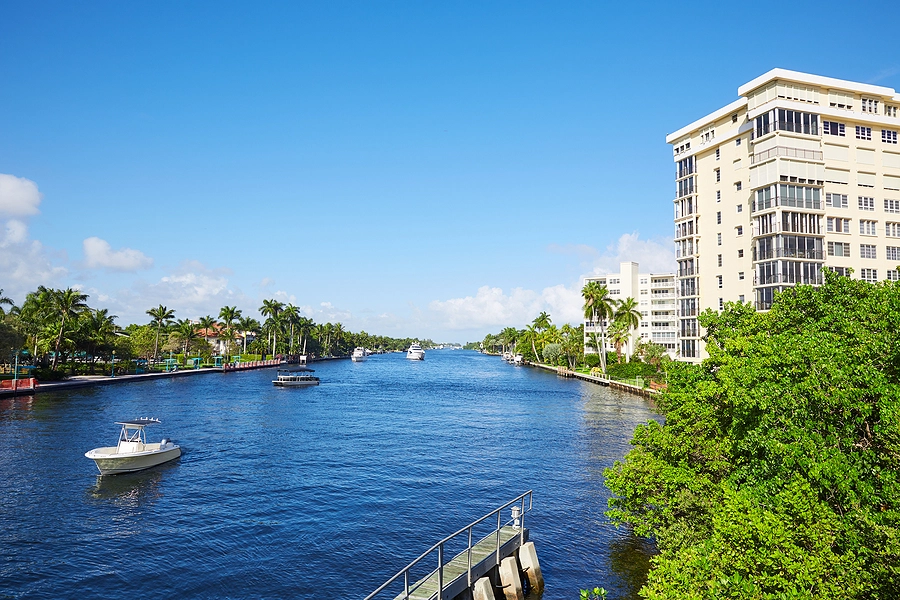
x: 408, y: 168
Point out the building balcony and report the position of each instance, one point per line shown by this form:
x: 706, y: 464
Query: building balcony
x: 781, y: 278
x: 788, y: 253
x: 813, y: 155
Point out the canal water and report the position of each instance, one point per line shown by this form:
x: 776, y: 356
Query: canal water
x: 320, y: 492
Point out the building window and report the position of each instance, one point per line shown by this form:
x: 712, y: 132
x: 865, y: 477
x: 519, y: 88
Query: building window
x: 866, y: 203
x: 867, y: 251
x: 890, y: 111
x: 892, y: 206
x: 741, y: 298
x: 863, y: 133
x: 741, y: 277
x: 740, y: 208
x: 842, y: 271
x: 836, y: 200
x: 888, y: 136
x: 721, y: 304
x: 870, y: 275
x: 719, y: 281
x: 837, y: 225
x: 719, y: 238
x: 740, y: 230
x: 737, y: 142
x: 867, y: 227
x: 870, y: 105
x: 892, y: 253
x: 893, y: 275
x: 737, y: 185
x: 718, y: 195
x: 838, y: 249
x: 719, y: 217
x: 717, y: 154
x: 741, y: 253
x: 892, y: 230
x: 718, y: 175
x: 833, y: 128
x: 720, y: 260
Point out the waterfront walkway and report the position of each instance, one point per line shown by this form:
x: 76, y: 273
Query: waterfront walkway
x: 563, y: 372
x: 79, y: 381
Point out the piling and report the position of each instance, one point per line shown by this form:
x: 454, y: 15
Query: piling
x: 531, y: 567
x: 509, y: 579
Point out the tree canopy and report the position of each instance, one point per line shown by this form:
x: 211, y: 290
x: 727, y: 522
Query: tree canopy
x: 777, y: 471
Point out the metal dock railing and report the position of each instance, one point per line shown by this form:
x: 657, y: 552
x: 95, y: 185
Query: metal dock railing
x: 450, y: 578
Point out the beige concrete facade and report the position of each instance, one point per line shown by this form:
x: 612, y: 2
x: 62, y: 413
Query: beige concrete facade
x: 655, y: 295
x: 801, y: 172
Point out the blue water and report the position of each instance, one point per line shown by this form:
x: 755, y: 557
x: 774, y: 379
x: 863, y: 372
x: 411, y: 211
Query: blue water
x: 320, y: 492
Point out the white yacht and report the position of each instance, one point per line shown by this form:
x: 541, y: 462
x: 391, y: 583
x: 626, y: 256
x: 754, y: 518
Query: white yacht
x: 133, y: 453
x: 359, y: 354
x: 294, y: 378
x: 415, y: 352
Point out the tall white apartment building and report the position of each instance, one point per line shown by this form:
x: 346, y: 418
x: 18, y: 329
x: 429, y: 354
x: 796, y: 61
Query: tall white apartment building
x: 801, y: 172
x: 655, y: 296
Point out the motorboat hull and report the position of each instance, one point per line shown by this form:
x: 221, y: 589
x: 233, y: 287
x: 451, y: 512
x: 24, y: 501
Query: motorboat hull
x: 415, y: 355
x: 304, y: 383
x: 109, y: 462
x: 358, y: 358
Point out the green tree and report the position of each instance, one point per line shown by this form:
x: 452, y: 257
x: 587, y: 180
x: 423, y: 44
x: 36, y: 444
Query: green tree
x: 627, y: 313
x: 4, y: 300
x: 161, y: 316
x: 598, y: 307
x: 272, y: 308
x: 66, y: 305
x: 186, y: 332
x: 247, y: 326
x: 206, y: 323
x: 777, y: 471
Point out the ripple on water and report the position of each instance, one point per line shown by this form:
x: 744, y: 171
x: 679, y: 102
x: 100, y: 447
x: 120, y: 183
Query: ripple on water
x: 278, y: 491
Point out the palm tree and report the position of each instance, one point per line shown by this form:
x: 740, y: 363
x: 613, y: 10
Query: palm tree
x: 66, y: 304
x: 247, y: 325
x: 338, y: 332
x: 509, y: 336
x: 229, y: 314
x: 628, y: 314
x: 305, y: 324
x: 99, y: 329
x: 161, y: 315
x: 4, y: 300
x: 542, y: 321
x: 206, y: 323
x: 272, y: 308
x: 618, y: 335
x: 186, y: 332
x: 531, y: 334
x: 291, y: 316
x: 598, y: 307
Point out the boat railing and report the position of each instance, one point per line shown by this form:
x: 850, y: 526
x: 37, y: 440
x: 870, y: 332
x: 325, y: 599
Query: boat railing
x: 520, y: 505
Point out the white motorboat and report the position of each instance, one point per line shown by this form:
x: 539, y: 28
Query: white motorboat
x: 294, y: 378
x: 519, y: 360
x: 133, y: 453
x: 415, y: 352
x: 359, y: 354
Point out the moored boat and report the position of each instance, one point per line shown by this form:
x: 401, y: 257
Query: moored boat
x: 294, y: 378
x: 415, y: 352
x: 359, y: 354
x: 133, y: 453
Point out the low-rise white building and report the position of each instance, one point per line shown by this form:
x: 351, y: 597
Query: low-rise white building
x: 655, y: 296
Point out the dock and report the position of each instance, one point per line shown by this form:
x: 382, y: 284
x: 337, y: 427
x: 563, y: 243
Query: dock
x: 612, y: 383
x: 496, y: 563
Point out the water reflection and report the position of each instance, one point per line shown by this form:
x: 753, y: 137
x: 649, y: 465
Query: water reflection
x: 12, y: 407
x: 129, y: 490
x: 629, y: 558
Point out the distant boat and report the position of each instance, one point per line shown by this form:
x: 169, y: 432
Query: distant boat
x: 133, y: 453
x: 294, y: 378
x: 359, y: 354
x: 415, y: 352
x: 519, y: 360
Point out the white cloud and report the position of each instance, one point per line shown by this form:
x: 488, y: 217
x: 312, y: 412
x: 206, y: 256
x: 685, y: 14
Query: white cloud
x: 99, y: 254
x: 654, y: 256
x: 19, y: 197
x: 25, y: 263
x: 491, y: 308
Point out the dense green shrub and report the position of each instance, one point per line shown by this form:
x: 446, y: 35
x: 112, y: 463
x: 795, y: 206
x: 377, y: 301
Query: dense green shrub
x: 552, y: 353
x: 48, y: 374
x: 777, y: 471
x: 592, y: 360
x: 630, y: 370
